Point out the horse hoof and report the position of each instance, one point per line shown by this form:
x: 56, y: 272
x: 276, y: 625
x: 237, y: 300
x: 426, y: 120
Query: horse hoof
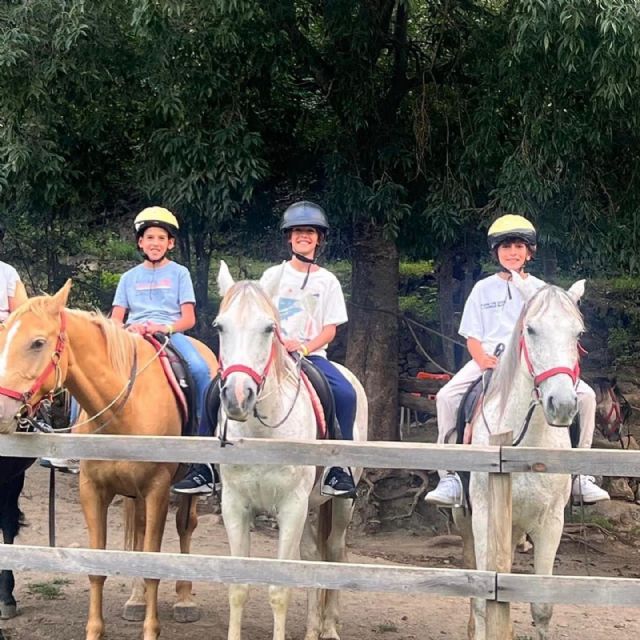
x: 8, y: 611
x: 186, y: 613
x: 134, y: 612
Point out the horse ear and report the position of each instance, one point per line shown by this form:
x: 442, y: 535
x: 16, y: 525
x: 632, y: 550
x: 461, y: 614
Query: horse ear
x: 576, y: 290
x: 62, y: 295
x: 225, y: 279
x: 524, y: 286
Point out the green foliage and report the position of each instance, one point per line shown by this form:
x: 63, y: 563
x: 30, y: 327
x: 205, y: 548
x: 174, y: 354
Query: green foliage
x: 417, y: 269
x: 51, y: 590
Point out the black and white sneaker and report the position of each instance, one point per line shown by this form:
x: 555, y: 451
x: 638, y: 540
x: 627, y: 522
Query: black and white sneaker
x: 198, y: 481
x: 338, y: 483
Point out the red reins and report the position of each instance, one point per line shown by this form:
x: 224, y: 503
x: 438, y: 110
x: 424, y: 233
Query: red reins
x: 25, y: 396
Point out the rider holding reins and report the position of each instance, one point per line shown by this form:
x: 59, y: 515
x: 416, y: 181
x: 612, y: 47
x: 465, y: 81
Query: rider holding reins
x: 489, y: 317
x: 311, y: 305
x: 158, y: 296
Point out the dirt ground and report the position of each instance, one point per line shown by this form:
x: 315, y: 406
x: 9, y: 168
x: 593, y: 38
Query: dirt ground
x: 364, y: 615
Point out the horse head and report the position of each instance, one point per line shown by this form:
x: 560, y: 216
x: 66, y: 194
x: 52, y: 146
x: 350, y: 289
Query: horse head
x: 248, y: 330
x: 33, y: 360
x: 549, y: 331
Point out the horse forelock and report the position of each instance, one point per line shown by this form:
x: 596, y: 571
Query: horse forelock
x: 119, y: 343
x: 538, y: 304
x: 243, y: 297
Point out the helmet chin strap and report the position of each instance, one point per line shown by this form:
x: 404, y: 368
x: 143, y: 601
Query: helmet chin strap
x: 308, y: 261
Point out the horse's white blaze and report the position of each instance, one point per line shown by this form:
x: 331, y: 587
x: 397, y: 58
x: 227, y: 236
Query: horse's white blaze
x: 9, y: 407
x: 4, y: 355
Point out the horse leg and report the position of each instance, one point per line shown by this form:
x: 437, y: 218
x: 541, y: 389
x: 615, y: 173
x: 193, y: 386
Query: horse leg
x: 95, y: 503
x: 462, y: 519
x: 310, y: 550
x: 185, y: 609
x: 478, y: 624
x: 236, y: 514
x: 292, y: 514
x: 157, y: 506
x: 546, y: 540
x: 339, y: 519
x: 134, y: 518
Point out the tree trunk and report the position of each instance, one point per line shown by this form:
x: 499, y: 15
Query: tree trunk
x: 201, y: 246
x: 372, y: 351
x: 445, y: 299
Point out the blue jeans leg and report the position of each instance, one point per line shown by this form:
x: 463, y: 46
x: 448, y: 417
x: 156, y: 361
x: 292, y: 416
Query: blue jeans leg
x: 343, y: 393
x: 198, y: 367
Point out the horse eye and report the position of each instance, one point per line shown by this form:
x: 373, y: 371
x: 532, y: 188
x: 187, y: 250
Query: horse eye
x: 37, y: 344
x: 217, y: 327
x: 531, y: 331
x: 270, y: 328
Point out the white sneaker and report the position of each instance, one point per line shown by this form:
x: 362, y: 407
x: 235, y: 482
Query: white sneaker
x: 586, y: 490
x: 66, y: 465
x: 448, y: 493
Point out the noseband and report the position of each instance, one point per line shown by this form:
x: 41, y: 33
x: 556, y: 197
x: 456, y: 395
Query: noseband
x: 258, y: 378
x: 25, y: 396
x: 539, y: 378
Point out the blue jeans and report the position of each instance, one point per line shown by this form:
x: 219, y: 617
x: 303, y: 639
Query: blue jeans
x: 343, y: 393
x: 197, y: 365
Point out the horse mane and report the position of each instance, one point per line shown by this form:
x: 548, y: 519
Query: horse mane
x: 248, y: 293
x: 120, y: 343
x: 510, y: 360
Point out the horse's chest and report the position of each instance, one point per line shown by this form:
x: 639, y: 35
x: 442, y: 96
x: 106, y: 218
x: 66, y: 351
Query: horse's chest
x: 265, y: 487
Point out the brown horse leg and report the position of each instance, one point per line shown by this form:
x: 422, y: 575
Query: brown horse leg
x: 134, y: 517
x: 185, y: 609
x: 94, y: 506
x: 157, y: 505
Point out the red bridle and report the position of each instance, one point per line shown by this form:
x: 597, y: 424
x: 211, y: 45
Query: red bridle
x: 574, y: 373
x: 258, y: 378
x: 25, y: 396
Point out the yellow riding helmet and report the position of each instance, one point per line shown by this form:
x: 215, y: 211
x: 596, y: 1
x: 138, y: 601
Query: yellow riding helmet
x: 156, y: 217
x: 514, y: 227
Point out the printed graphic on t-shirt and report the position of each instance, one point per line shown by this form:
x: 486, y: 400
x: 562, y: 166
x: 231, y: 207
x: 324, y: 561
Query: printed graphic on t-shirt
x: 492, y: 305
x: 296, y: 315
x: 164, y: 283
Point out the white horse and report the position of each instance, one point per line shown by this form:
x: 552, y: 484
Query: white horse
x: 262, y: 397
x: 540, y: 366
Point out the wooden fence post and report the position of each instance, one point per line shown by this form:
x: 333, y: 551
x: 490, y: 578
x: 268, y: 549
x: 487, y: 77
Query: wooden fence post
x: 499, y: 552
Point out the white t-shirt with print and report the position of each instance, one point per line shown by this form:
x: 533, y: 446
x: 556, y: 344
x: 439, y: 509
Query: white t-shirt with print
x: 304, y: 312
x: 9, y: 278
x: 492, y: 311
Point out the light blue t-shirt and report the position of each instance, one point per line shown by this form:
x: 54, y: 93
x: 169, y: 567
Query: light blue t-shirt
x: 155, y: 295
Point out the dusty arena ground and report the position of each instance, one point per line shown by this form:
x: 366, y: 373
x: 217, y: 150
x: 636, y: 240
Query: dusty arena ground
x: 56, y: 606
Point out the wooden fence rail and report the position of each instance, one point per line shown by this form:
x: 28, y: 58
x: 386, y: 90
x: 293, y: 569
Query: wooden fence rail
x: 499, y: 460
x: 387, y: 455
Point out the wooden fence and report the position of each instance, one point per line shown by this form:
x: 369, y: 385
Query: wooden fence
x: 497, y: 585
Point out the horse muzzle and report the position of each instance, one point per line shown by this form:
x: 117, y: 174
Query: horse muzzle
x: 238, y: 397
x: 560, y: 407
x: 8, y: 411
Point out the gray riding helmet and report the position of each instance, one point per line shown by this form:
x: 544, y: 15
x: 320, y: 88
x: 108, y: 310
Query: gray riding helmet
x: 304, y: 214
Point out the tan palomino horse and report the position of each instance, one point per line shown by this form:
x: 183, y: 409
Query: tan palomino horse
x: 44, y: 346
